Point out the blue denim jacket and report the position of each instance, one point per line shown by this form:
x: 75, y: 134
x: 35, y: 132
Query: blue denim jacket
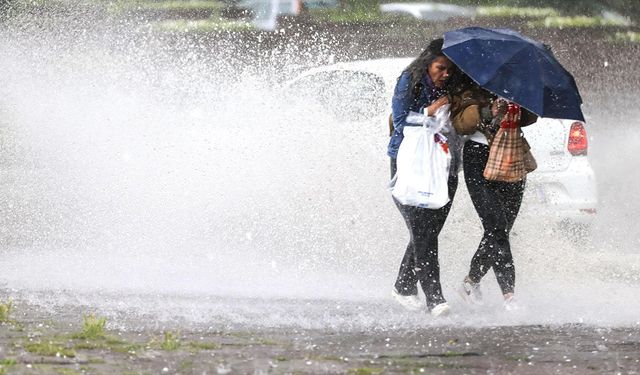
x: 403, y: 102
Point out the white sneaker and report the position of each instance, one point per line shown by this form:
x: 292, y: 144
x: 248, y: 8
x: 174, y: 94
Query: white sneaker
x: 511, y: 304
x: 442, y: 309
x: 470, y: 292
x: 411, y: 302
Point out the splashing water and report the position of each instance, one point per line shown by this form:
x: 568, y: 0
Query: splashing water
x: 167, y: 180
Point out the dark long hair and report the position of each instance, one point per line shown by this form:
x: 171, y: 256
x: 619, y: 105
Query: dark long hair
x: 459, y: 82
x: 418, y: 67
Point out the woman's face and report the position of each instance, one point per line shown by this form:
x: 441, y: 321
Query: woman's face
x: 440, y: 70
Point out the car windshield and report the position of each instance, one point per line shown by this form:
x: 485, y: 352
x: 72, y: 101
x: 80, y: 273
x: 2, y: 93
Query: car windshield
x: 347, y: 94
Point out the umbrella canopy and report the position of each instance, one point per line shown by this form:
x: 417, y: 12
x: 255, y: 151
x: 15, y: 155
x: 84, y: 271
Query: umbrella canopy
x: 516, y: 68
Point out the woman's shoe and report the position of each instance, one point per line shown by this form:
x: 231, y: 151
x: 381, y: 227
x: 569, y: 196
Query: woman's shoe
x: 511, y: 304
x: 410, y: 302
x: 470, y: 292
x: 442, y: 309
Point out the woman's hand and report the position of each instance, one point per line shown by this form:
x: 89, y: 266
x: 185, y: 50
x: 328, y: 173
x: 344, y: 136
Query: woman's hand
x: 433, y: 107
x: 499, y: 107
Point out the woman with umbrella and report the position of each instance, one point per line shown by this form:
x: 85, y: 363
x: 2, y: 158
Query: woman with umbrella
x: 501, y: 62
x: 478, y: 112
x: 422, y: 88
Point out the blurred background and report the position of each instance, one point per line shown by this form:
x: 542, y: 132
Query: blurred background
x: 147, y: 150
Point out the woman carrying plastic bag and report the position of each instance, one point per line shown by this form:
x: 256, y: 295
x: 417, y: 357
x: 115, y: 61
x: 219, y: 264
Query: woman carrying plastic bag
x: 423, y: 163
x: 422, y: 88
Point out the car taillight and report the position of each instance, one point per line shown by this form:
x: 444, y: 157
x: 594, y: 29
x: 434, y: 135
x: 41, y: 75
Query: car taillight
x: 578, y: 143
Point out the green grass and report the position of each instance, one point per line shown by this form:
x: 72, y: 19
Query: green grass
x: 204, y: 345
x: 67, y: 371
x: 344, y: 16
x: 6, y: 363
x: 201, y: 26
x: 508, y: 12
x: 49, y: 349
x: 629, y: 36
x: 186, y: 366
x: 5, y: 311
x: 95, y: 361
x: 365, y: 371
x: 90, y: 345
x: 171, y: 341
x: 92, y: 328
x: 120, y: 346
x: 125, y: 349
x: 267, y: 342
x: 123, y: 6
x: 574, y: 22
x: 518, y: 358
x: 174, y: 5
x: 94, y: 336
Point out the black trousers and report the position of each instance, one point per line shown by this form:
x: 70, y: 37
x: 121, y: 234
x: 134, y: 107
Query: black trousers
x: 497, y: 204
x: 420, y: 261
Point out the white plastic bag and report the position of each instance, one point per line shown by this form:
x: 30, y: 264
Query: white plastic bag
x: 423, y: 163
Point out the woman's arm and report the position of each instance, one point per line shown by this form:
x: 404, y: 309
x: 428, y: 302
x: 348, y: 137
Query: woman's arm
x: 401, y: 101
x: 467, y: 120
x: 469, y: 110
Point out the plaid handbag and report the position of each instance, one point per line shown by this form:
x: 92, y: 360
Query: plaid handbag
x: 530, y: 163
x: 507, y: 151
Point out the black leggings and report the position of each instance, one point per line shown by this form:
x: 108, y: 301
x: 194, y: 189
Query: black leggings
x: 420, y: 261
x: 497, y: 204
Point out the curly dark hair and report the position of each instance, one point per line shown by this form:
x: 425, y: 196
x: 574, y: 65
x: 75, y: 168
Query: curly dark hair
x: 419, y: 66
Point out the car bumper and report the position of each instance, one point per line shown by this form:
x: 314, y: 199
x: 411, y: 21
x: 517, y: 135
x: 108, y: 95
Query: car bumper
x: 568, y: 195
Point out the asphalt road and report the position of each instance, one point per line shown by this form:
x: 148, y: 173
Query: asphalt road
x: 44, y: 340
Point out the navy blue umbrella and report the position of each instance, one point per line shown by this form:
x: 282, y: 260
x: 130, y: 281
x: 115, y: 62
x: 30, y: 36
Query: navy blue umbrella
x: 516, y: 68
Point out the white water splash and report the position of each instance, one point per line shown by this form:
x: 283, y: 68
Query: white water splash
x: 140, y: 179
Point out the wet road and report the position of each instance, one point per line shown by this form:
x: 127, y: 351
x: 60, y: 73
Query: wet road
x: 140, y: 344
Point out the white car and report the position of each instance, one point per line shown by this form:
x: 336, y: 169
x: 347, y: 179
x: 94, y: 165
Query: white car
x: 562, y: 189
x: 428, y: 11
